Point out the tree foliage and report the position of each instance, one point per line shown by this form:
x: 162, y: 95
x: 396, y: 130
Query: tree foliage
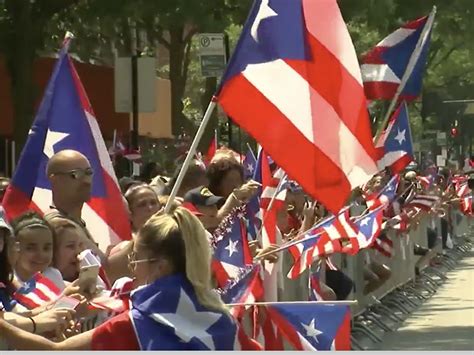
x: 105, y: 28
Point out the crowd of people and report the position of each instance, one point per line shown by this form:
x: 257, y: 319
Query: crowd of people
x: 167, y: 253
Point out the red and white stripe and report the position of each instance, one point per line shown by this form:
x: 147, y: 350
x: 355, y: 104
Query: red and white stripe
x: 272, y: 190
x: 423, y: 202
x: 384, y: 245
x: 270, y: 232
x: 45, y: 291
x: 317, y: 106
x: 379, y: 79
x: 342, y: 229
x: 307, y: 257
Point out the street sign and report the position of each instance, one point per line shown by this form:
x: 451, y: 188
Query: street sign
x: 441, y: 138
x: 212, y: 54
x: 146, y: 84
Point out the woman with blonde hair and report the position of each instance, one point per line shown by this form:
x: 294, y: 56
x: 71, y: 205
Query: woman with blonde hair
x: 174, y: 307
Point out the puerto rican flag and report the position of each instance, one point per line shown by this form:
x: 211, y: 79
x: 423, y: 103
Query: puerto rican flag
x: 295, y: 85
x: 250, y: 164
x: 37, y: 291
x: 166, y: 315
x: 272, y: 199
x: 342, y: 229
x: 464, y: 193
x: 305, y: 252
x: 313, y: 326
x: 323, y: 239
x: 65, y: 120
x: 247, y: 288
x: 385, y: 196
x: 231, y: 248
x: 395, y: 147
x: 368, y: 228
x: 423, y: 202
x: 385, y: 65
x: 426, y: 181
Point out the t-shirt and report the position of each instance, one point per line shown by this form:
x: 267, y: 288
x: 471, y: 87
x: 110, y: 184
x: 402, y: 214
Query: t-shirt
x: 117, y: 333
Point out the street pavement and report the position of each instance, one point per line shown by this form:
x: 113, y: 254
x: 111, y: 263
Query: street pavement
x: 446, y: 321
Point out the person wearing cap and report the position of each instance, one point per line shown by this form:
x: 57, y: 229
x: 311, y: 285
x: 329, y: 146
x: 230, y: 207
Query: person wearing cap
x: 204, y: 205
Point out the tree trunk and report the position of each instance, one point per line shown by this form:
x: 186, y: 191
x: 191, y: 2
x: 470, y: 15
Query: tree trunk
x: 20, y: 61
x: 178, y: 82
x: 211, y: 87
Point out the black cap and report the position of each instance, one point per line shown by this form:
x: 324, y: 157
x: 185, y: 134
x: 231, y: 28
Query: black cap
x: 201, y: 196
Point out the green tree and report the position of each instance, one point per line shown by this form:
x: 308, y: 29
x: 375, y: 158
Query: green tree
x: 23, y: 26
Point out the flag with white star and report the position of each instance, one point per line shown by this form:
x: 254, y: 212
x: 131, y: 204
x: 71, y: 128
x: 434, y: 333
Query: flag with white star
x: 313, y: 326
x: 246, y: 288
x: 395, y: 147
x: 385, y: 196
x: 231, y: 249
x: 168, y: 316
x: 65, y: 120
x: 250, y: 164
x: 273, y: 89
x: 369, y: 227
x: 37, y: 291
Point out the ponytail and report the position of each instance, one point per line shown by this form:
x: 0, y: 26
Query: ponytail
x: 198, y: 259
x: 181, y: 238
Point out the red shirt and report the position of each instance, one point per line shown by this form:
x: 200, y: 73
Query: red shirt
x: 118, y: 333
x: 115, y: 334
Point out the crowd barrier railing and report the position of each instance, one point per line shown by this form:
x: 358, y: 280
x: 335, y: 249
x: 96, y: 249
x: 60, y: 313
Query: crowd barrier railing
x: 405, y: 269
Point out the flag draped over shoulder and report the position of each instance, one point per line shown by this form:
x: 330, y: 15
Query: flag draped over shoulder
x: 167, y: 316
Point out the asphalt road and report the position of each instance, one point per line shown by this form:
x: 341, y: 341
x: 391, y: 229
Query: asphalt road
x: 446, y: 321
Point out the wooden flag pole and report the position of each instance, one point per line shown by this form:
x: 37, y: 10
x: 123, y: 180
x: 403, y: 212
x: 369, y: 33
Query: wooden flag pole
x: 406, y: 76
x: 191, y: 153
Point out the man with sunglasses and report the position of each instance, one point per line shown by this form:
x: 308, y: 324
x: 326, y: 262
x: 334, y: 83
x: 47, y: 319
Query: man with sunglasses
x: 70, y: 175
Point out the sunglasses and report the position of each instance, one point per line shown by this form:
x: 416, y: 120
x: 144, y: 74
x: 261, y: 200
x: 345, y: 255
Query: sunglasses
x: 77, y: 174
x: 132, y: 259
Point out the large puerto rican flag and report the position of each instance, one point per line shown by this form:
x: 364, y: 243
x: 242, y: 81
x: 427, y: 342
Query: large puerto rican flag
x: 65, y: 120
x: 385, y: 65
x: 295, y: 85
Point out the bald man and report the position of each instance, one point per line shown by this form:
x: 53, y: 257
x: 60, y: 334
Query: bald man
x: 70, y: 174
